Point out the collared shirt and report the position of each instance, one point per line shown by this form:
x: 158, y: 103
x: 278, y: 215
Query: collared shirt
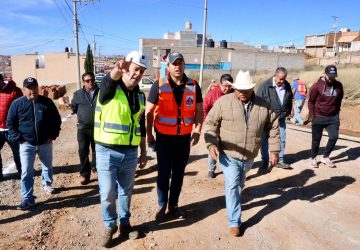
x: 90, y: 93
x: 280, y: 91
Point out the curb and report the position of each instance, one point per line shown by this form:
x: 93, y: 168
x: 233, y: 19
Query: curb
x: 308, y: 130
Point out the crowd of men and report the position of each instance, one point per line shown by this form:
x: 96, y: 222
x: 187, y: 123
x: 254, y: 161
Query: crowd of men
x: 116, y: 121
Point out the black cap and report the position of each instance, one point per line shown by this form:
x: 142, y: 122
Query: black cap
x: 331, y: 71
x: 173, y: 56
x: 30, y: 81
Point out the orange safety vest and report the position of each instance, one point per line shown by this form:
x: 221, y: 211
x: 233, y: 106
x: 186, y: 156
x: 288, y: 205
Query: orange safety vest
x: 170, y: 119
x: 301, y: 88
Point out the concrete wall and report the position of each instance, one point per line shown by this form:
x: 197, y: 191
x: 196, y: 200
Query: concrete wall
x: 59, y: 68
x: 258, y: 61
x: 244, y: 60
x: 353, y: 59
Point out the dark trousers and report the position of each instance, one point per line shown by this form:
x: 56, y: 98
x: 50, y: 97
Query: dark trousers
x: 4, y: 137
x: 85, y: 137
x: 172, y: 155
x: 331, y: 124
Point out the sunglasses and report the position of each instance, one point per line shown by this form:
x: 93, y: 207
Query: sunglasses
x: 89, y: 80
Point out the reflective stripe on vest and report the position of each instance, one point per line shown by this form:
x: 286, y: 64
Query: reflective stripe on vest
x: 171, y: 119
x: 114, y: 124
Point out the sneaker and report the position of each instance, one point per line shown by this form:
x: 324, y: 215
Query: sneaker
x: 160, y: 215
x: 235, y: 231
x: 314, y: 163
x: 176, y: 212
x: 283, y: 165
x: 328, y: 162
x: 84, y: 180
x: 2, y: 177
x: 211, y: 174
x: 48, y: 189
x: 107, y: 236
x: 25, y: 205
x: 129, y: 231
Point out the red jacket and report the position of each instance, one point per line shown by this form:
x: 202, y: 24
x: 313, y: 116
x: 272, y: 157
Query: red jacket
x: 210, y: 99
x: 8, y: 94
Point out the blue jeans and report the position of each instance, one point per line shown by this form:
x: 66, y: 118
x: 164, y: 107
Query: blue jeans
x: 4, y: 137
x: 297, y: 113
x: 235, y: 173
x: 211, y: 163
x: 116, y: 175
x: 27, y: 157
x: 265, y: 143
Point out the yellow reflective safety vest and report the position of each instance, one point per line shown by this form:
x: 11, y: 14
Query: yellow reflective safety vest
x: 114, y: 124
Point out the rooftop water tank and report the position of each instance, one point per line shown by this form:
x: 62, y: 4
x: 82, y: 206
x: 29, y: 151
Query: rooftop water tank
x: 210, y: 43
x: 223, y: 44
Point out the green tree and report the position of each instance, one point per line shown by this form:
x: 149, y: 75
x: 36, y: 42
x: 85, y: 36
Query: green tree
x: 89, y: 60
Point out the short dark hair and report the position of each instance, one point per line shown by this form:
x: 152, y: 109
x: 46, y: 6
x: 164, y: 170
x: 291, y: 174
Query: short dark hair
x: 226, y: 77
x: 1, y: 77
x: 91, y: 74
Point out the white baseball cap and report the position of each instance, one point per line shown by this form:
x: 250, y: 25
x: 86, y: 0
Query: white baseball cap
x: 137, y: 58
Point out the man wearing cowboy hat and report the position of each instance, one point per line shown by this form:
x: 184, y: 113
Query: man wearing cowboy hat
x: 240, y: 131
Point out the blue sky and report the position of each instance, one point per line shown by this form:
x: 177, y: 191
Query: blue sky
x: 28, y: 26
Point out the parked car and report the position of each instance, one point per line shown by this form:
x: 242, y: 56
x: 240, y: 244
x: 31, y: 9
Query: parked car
x: 98, y: 78
x: 145, y: 83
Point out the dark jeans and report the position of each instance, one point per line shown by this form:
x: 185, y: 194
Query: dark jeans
x: 85, y: 137
x: 4, y: 137
x: 331, y: 124
x: 172, y: 156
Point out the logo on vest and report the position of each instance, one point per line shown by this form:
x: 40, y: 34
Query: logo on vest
x: 189, y: 101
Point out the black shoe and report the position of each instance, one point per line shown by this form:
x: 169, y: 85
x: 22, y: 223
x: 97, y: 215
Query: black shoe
x: 160, y: 215
x: 176, y: 212
x: 283, y: 165
x: 1, y: 177
x: 211, y: 174
x: 25, y: 205
x: 107, y: 236
x: 129, y: 231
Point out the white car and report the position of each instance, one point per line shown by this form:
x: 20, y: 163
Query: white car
x: 145, y: 83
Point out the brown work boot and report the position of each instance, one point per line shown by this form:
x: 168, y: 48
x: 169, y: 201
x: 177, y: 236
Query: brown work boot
x: 235, y: 231
x: 107, y: 236
x: 84, y: 180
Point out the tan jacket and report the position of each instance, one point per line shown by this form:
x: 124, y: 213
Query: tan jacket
x: 225, y: 127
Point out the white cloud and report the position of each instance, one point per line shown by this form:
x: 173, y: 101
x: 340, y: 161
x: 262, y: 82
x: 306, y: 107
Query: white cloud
x: 24, y: 4
x: 28, y: 18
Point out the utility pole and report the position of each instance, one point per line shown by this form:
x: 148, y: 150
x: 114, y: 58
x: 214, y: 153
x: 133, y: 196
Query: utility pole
x: 76, y: 34
x: 203, y: 45
x: 334, y: 26
x: 76, y: 28
x: 95, y: 35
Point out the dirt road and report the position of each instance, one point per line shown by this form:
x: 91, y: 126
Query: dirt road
x: 302, y: 208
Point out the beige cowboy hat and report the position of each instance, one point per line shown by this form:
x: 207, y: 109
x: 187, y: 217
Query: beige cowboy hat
x: 243, y: 81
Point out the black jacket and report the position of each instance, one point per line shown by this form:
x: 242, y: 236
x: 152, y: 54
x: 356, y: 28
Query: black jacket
x: 33, y: 121
x: 84, y: 107
x: 268, y: 93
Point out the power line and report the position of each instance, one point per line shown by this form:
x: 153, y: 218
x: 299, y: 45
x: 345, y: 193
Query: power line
x: 66, y: 20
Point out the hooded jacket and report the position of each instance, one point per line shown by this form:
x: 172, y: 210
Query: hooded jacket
x: 325, y: 98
